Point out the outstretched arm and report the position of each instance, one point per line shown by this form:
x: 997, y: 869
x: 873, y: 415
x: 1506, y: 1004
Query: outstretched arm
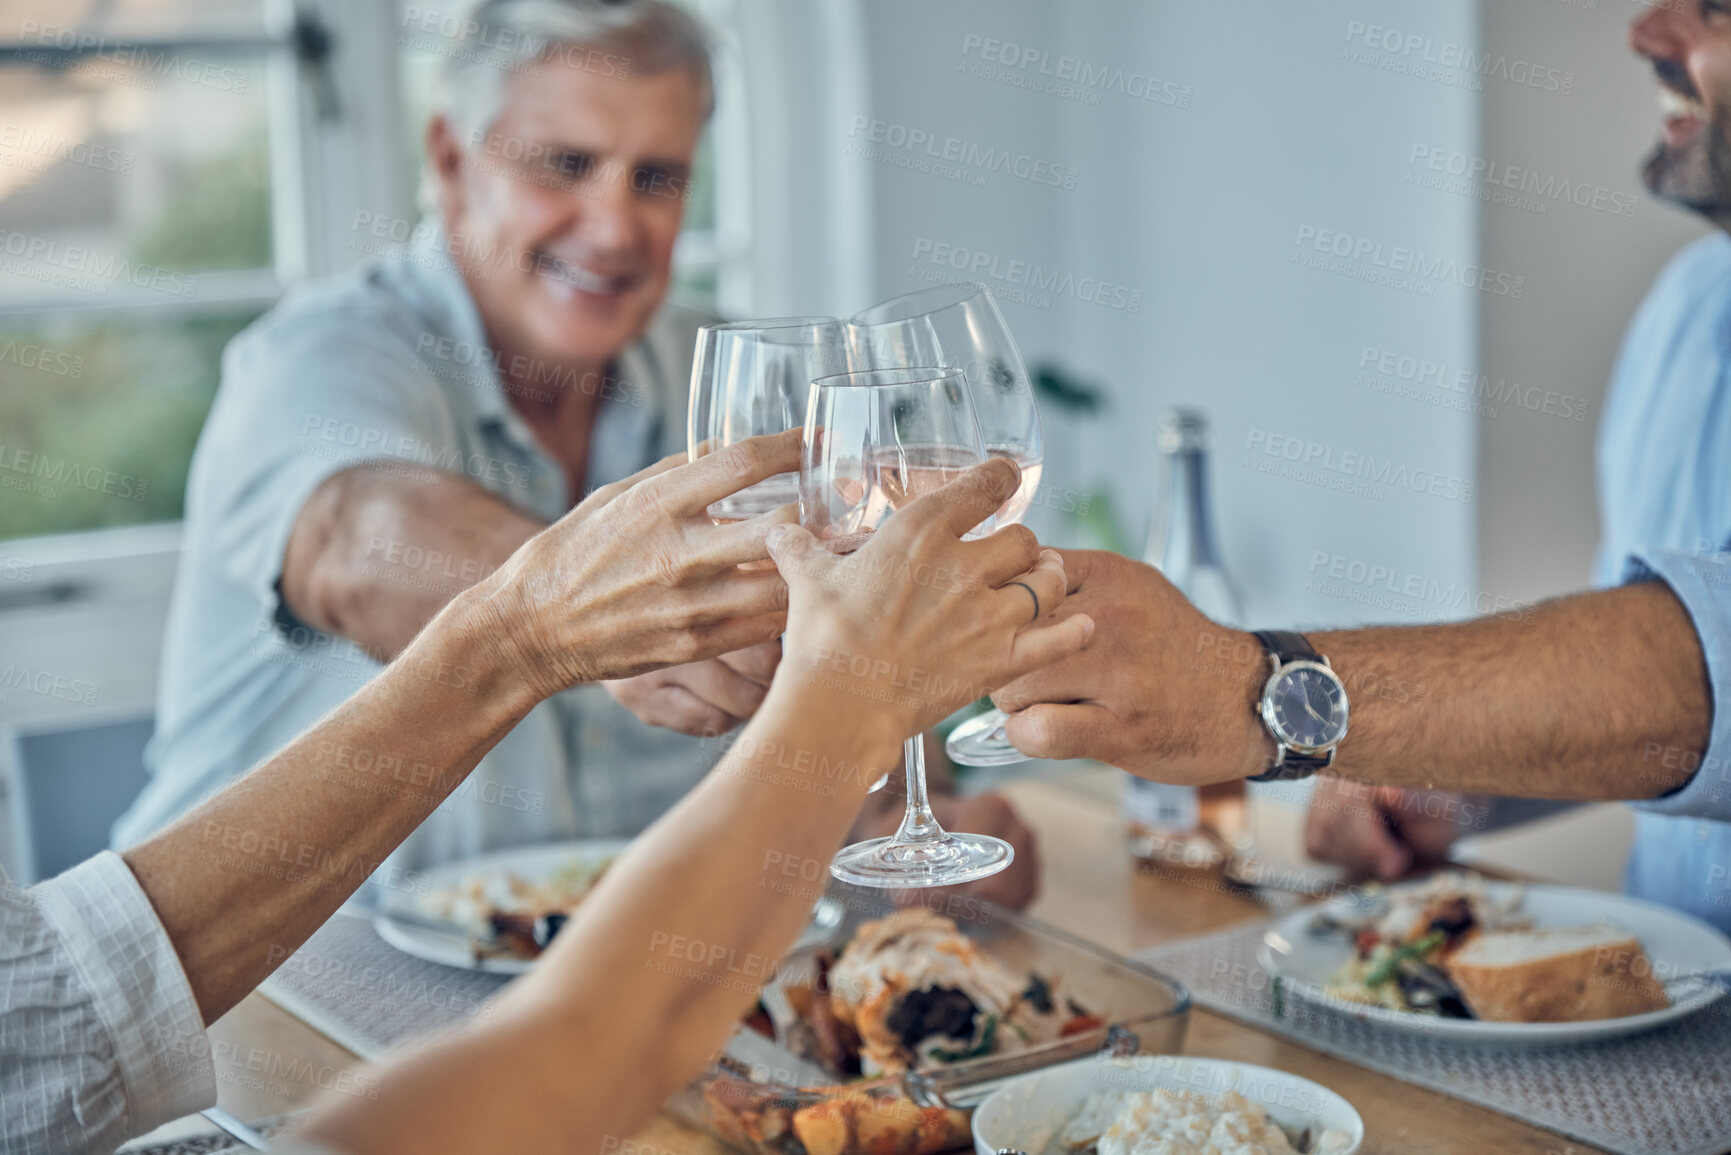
x: 241, y: 881
x: 376, y: 551
x: 1567, y: 699
x: 643, y: 986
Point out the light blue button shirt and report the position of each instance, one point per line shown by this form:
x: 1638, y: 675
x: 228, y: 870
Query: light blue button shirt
x: 1665, y: 505
x: 390, y: 365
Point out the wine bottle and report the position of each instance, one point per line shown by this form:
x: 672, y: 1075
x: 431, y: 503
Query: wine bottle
x: 1173, y: 824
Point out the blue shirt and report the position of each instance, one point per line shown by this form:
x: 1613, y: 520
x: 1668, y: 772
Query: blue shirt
x: 1665, y: 505
x: 390, y: 365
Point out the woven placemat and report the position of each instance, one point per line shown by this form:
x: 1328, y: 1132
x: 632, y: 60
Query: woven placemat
x: 213, y: 1141
x: 367, y: 995
x: 1667, y: 1092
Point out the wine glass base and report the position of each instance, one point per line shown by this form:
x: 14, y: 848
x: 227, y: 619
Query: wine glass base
x: 981, y: 742
x: 887, y: 864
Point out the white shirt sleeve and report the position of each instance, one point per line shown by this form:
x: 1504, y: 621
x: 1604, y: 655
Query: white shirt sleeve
x: 100, y: 1036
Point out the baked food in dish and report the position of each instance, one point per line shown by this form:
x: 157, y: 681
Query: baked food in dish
x: 914, y: 991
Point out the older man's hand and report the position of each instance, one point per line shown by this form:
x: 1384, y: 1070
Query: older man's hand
x: 1160, y: 690
x: 1386, y: 832
x: 702, y: 698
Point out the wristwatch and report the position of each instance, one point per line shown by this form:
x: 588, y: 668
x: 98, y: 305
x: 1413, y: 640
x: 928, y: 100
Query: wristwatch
x: 1303, y: 706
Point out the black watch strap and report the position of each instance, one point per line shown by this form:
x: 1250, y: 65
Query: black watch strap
x: 1287, y: 646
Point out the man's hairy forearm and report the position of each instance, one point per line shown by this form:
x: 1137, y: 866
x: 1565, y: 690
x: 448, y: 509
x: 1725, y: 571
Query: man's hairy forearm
x: 374, y: 555
x: 1576, y: 698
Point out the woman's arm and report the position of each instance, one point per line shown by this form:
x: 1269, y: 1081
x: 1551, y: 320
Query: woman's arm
x: 241, y: 881
x: 646, y: 982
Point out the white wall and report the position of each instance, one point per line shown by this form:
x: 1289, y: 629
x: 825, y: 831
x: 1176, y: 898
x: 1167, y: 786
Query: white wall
x: 1198, y: 209
x: 1590, y: 268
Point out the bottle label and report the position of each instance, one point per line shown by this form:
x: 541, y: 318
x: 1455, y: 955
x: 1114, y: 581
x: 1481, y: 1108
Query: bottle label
x: 1159, y: 807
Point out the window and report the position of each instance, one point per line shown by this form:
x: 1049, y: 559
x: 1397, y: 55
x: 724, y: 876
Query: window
x: 168, y: 168
x: 139, y: 228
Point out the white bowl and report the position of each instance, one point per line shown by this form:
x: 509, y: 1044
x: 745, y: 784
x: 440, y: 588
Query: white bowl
x: 1026, y: 1114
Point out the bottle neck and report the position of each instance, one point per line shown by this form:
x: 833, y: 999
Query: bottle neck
x: 1185, y: 542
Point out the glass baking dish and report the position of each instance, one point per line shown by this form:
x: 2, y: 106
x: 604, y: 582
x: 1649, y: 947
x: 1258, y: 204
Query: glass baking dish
x: 928, y: 1110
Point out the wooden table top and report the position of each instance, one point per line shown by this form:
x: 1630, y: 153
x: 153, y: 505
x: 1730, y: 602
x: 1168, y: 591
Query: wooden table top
x: 269, y: 1062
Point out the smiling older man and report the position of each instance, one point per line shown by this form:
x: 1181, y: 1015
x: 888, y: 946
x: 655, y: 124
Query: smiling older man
x: 384, y: 441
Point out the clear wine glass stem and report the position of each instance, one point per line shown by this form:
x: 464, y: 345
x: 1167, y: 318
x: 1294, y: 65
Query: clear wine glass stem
x: 919, y: 824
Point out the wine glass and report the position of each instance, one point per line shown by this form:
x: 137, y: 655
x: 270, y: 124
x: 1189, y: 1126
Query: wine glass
x: 959, y: 325
x: 875, y: 441
x: 751, y: 378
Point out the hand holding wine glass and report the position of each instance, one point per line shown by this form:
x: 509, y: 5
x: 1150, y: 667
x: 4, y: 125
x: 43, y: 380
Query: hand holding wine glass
x: 878, y: 445
x: 959, y: 326
x: 919, y: 619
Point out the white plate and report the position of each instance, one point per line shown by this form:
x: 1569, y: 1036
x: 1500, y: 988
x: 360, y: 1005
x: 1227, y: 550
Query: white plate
x: 532, y: 863
x: 1028, y: 1113
x: 1677, y: 945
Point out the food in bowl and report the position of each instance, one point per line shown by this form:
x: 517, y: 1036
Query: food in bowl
x: 1167, y: 1122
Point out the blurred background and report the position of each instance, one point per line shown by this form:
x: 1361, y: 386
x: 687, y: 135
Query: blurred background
x: 1300, y: 219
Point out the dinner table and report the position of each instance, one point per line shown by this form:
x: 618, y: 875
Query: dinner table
x: 274, y: 1064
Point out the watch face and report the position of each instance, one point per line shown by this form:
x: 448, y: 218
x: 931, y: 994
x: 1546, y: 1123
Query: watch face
x: 1307, y: 707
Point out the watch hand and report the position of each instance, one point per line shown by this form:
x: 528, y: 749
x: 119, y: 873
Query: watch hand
x: 1311, y: 710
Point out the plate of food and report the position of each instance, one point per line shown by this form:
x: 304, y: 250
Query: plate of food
x: 885, y: 1038
x: 1465, y: 958
x: 496, y: 912
x: 1148, y: 1103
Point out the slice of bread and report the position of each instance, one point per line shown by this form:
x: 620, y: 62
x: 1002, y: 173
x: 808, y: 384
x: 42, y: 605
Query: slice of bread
x: 1556, y: 976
